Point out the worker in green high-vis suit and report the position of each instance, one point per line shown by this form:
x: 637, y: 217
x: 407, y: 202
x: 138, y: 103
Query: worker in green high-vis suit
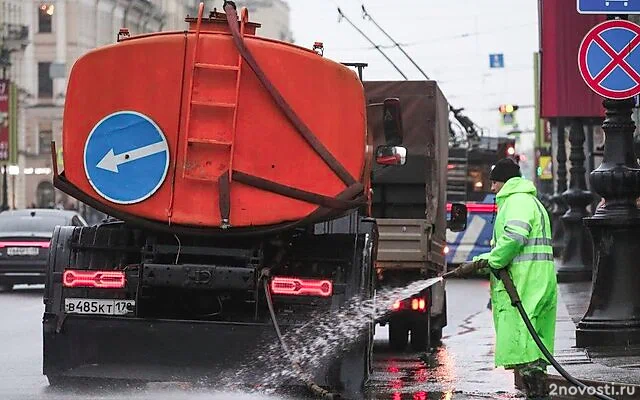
x: 522, y: 243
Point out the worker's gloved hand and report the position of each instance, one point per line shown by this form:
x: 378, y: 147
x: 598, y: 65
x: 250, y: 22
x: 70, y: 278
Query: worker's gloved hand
x: 469, y: 268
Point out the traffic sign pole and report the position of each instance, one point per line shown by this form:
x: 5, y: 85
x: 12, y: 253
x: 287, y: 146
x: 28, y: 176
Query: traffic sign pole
x: 615, y: 227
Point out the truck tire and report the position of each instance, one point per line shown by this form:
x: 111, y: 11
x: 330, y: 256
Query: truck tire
x: 355, y: 364
x: 63, y: 382
x: 419, y: 337
x: 438, y: 323
x: 398, y: 335
x: 354, y: 369
x: 61, y: 256
x: 436, y: 335
x: 6, y: 287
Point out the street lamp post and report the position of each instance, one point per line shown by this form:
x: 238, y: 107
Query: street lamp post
x: 613, y: 316
x: 5, y: 195
x: 560, y: 207
x: 577, y: 257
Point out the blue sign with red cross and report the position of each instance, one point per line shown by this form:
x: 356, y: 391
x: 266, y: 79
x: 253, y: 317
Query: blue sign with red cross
x: 609, y: 59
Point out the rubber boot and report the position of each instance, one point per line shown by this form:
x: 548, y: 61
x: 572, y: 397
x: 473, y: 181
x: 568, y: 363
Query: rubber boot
x: 535, y: 384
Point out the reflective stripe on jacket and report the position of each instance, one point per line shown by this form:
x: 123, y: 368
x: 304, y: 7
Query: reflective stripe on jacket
x: 522, y: 242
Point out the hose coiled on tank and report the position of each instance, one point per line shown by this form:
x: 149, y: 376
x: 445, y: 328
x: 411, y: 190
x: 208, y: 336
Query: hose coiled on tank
x: 312, y: 386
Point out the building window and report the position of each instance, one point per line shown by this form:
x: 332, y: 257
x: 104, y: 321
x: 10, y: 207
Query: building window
x: 45, y: 135
x: 45, y: 83
x: 45, y: 14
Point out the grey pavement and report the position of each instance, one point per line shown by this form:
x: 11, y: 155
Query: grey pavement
x: 615, y: 366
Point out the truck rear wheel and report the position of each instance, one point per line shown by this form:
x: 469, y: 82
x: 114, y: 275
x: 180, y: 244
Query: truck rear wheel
x: 436, y: 335
x: 398, y: 335
x: 419, y: 337
x: 355, y: 364
x: 63, y: 382
x: 354, y: 369
x: 90, y: 248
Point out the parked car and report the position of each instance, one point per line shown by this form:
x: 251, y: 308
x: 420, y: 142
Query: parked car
x: 24, y: 243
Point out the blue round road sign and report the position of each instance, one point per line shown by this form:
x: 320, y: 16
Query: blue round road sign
x: 609, y: 59
x: 126, y: 157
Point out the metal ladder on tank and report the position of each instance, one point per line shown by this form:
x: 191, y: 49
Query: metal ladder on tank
x: 223, y: 181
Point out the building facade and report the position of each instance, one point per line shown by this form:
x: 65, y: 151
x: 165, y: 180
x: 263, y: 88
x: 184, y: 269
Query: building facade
x: 274, y: 17
x: 272, y: 14
x: 58, y: 32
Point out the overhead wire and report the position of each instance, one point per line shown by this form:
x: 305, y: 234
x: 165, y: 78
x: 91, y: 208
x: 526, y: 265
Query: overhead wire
x: 343, y: 16
x: 440, y: 39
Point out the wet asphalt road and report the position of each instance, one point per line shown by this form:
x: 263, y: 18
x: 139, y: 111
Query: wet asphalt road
x: 460, y: 368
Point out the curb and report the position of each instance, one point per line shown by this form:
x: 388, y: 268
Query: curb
x: 558, y: 378
x: 565, y: 390
x: 616, y: 390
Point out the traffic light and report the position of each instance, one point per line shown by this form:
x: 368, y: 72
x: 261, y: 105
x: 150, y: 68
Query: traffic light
x: 507, y: 108
x: 508, y: 113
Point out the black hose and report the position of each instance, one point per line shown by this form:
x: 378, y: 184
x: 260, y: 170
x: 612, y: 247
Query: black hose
x: 312, y: 386
x: 516, y: 302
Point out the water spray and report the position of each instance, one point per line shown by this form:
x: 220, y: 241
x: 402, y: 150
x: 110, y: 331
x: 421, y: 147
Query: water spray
x: 304, y: 377
x: 503, y: 275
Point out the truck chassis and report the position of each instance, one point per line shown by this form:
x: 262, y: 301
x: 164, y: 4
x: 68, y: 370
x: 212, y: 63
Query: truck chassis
x: 194, y: 307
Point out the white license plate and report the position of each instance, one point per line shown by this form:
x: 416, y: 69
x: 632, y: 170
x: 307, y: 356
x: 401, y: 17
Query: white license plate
x: 99, y: 306
x: 23, y: 251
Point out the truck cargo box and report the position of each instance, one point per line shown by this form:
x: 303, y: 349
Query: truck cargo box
x: 417, y: 190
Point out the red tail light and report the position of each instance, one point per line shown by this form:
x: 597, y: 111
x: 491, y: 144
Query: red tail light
x: 301, y: 287
x: 478, y: 207
x: 43, y: 245
x: 95, y: 279
x: 415, y: 304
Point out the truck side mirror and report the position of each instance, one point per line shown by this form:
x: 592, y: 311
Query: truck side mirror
x: 458, y: 220
x: 391, y: 155
x: 392, y: 121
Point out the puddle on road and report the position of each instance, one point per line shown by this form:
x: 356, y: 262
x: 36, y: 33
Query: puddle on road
x: 414, y: 376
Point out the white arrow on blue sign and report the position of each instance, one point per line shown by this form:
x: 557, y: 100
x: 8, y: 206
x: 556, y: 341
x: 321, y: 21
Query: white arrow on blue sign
x: 609, y: 6
x: 126, y: 157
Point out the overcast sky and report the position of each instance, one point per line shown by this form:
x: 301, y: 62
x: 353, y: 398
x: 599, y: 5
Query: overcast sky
x: 450, y: 39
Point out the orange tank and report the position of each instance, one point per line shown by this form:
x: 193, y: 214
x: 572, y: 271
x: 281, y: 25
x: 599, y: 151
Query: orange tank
x: 214, y: 128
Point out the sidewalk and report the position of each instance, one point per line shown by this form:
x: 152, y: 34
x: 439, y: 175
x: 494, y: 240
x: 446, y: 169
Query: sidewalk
x: 614, y: 366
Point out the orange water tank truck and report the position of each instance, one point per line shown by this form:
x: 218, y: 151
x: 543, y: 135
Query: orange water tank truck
x: 213, y: 128
x: 237, y: 170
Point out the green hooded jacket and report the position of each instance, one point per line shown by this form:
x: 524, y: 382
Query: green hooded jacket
x: 522, y: 243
